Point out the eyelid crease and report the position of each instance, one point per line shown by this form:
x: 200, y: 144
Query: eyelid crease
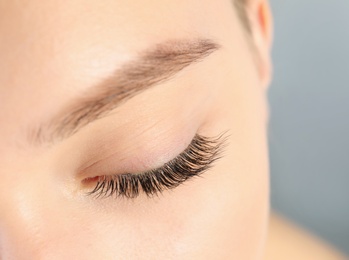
x: 196, y: 159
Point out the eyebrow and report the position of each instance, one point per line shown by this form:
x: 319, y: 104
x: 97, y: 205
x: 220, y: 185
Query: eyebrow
x: 151, y: 67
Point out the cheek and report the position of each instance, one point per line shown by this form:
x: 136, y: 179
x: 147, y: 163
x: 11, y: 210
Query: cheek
x: 224, y: 215
x: 224, y: 218
x: 211, y: 218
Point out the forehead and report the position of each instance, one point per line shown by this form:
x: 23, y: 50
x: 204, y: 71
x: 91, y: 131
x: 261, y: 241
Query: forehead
x: 46, y: 39
x: 49, y: 33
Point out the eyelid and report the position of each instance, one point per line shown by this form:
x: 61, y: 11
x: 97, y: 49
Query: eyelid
x: 134, y: 153
x: 198, y: 157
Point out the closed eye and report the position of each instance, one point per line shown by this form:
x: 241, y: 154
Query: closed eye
x: 196, y: 159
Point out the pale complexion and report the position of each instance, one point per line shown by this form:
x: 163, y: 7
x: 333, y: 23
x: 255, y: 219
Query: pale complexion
x: 57, y: 56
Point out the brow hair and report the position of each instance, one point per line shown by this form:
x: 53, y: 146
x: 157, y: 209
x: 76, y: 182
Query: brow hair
x: 152, y: 67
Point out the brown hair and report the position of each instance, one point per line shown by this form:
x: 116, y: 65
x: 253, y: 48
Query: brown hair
x: 240, y: 6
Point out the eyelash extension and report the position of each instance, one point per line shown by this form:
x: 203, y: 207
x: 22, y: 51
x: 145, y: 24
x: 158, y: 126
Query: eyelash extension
x: 197, y: 158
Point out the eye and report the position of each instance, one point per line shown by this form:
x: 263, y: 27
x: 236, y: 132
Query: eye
x: 197, y: 158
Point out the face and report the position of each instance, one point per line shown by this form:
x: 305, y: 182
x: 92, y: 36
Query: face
x: 131, y: 131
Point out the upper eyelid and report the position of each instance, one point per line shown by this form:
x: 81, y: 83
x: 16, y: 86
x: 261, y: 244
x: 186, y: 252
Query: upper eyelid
x: 216, y: 144
x: 220, y: 140
x: 93, y: 164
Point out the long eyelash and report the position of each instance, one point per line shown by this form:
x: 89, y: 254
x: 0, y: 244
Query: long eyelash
x: 197, y: 158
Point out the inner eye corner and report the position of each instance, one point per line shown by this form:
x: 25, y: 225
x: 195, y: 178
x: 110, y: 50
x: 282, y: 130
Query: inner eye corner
x: 90, y: 180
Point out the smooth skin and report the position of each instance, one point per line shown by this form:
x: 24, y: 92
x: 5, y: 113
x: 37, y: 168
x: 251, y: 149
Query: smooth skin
x: 52, y: 52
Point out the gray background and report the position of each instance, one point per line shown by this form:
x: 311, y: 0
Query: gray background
x: 309, y: 128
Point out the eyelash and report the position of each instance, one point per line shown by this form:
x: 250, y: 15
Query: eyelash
x: 197, y: 158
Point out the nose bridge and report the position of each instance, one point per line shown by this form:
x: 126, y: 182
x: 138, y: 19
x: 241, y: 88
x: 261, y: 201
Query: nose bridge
x: 22, y: 209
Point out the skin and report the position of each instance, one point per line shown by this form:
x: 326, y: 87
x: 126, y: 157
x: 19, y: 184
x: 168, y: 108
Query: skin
x: 288, y: 241
x: 52, y: 53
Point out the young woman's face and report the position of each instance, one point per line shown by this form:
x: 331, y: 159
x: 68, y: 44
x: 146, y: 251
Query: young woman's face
x: 92, y: 90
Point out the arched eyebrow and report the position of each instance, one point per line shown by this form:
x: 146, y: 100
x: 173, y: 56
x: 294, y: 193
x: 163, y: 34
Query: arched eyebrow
x: 153, y: 66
